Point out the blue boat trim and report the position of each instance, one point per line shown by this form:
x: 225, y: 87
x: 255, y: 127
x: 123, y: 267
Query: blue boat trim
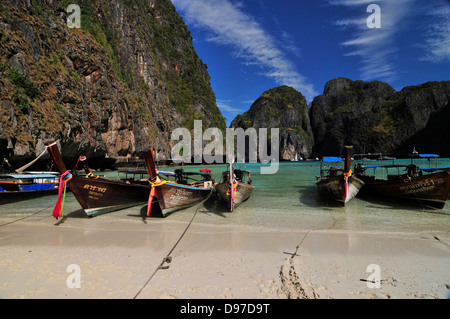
x: 28, y: 176
x: 189, y: 187
x: 332, y: 159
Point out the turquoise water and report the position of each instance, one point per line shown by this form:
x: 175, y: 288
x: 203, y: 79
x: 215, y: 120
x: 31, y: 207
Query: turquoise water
x: 285, y: 200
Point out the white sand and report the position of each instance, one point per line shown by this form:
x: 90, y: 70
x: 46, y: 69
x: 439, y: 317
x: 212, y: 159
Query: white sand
x: 116, y: 258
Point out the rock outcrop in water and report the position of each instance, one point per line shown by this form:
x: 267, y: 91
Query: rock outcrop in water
x: 115, y: 86
x: 371, y: 116
x: 284, y: 108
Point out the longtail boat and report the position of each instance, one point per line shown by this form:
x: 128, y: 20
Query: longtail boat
x: 98, y: 195
x: 337, y: 183
x: 184, y: 190
x: 18, y: 187
x: 235, y: 186
x: 425, y: 186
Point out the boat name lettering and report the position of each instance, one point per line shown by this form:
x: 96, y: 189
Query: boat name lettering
x: 426, y: 183
x: 419, y: 190
x: 95, y: 188
x: 94, y: 195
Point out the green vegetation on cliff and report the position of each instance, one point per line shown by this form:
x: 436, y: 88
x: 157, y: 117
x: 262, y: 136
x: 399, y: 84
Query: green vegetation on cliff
x: 116, y: 86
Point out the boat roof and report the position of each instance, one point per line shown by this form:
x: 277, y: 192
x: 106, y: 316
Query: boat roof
x: 166, y: 173
x: 428, y: 155
x: 29, y: 176
x: 195, y: 173
x: 332, y: 159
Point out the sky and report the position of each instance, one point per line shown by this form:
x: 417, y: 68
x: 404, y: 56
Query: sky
x: 251, y: 46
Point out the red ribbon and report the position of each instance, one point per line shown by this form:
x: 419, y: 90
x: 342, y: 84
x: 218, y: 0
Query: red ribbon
x: 65, y: 177
x: 345, y: 187
x: 150, y: 200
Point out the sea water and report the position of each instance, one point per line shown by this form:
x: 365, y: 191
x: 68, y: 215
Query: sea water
x: 281, y: 201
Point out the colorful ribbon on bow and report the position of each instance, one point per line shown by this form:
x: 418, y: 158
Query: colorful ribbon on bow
x: 58, y: 210
x: 158, y: 182
x: 346, y: 176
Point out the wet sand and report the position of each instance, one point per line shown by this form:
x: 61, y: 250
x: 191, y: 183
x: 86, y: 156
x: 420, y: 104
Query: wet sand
x: 123, y: 258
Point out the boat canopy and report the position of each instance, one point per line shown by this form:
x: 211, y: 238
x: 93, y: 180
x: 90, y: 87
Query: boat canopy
x: 167, y: 173
x: 28, y: 176
x: 428, y: 155
x: 196, y: 173
x: 332, y: 159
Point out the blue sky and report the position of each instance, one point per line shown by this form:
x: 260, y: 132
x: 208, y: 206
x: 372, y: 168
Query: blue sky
x: 251, y: 46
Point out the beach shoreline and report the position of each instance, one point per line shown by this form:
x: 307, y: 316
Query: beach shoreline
x: 122, y: 258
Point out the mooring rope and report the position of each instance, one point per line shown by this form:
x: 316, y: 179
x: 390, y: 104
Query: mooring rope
x: 168, y: 258
x: 17, y: 220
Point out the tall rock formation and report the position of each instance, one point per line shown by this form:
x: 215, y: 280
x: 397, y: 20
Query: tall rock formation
x: 284, y: 108
x: 112, y: 88
x: 373, y: 117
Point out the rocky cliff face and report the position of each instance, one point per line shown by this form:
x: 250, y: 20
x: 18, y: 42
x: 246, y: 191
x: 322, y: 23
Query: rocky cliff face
x: 284, y: 108
x: 373, y: 117
x: 112, y: 88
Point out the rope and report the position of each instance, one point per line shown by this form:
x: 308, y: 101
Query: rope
x: 80, y: 158
x: 168, y: 258
x: 17, y: 220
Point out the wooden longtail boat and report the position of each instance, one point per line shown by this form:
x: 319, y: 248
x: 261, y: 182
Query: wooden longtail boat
x: 336, y: 183
x: 426, y: 186
x: 100, y: 195
x: 179, y: 193
x: 235, y: 187
x: 18, y: 187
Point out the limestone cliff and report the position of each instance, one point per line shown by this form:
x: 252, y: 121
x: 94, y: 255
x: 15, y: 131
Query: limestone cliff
x: 115, y: 86
x: 284, y: 108
x: 373, y: 117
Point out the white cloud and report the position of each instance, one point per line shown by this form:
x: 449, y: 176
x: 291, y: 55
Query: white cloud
x: 437, y: 42
x: 224, y: 106
x: 375, y: 46
x: 228, y: 25
x: 349, y: 2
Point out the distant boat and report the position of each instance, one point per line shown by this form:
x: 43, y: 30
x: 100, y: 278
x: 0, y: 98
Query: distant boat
x: 235, y: 186
x: 427, y: 186
x: 185, y: 190
x: 18, y: 187
x: 337, y: 183
x: 99, y: 195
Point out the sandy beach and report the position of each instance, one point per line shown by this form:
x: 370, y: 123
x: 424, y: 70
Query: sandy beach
x: 124, y: 258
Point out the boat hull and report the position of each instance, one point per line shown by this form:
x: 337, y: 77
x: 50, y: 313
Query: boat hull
x: 18, y: 187
x: 243, y: 192
x: 430, y: 190
x: 332, y: 188
x: 17, y: 196
x: 100, y: 195
x: 97, y: 196
x: 174, y: 196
